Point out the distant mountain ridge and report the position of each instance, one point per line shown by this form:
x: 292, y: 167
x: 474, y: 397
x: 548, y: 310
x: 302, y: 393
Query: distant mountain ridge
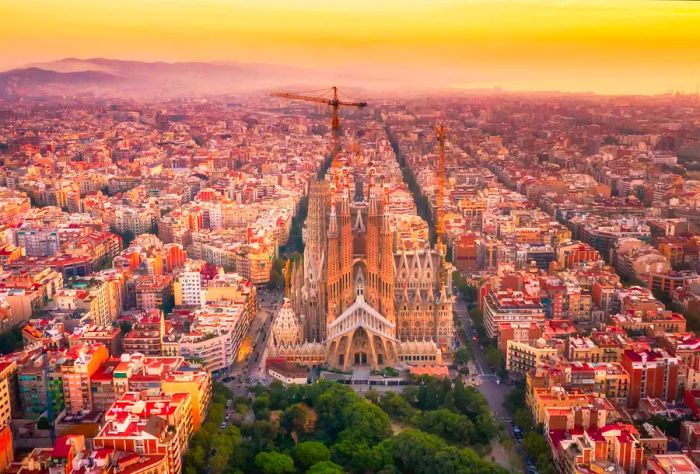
x: 159, y: 79
x: 73, y: 75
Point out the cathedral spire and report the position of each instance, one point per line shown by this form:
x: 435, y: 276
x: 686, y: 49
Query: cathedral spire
x: 332, y: 221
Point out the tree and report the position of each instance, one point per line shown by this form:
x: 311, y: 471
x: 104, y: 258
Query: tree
x: 414, y: 451
x: 168, y: 303
x: 325, y: 467
x: 261, y: 407
x: 522, y: 418
x: 494, y: 357
x: 223, y: 445
x: 295, y: 419
x: 365, y: 421
x: 262, y: 434
x: 515, y: 398
x: 396, y: 406
x: 460, y: 395
x: 357, y: 455
x: 462, y: 356
x: 410, y: 394
x: 428, y: 395
x: 535, y: 444
x: 308, y: 453
x: 448, y: 425
x: 11, y: 340
x: 274, y: 463
x: 127, y: 237
x: 277, y: 274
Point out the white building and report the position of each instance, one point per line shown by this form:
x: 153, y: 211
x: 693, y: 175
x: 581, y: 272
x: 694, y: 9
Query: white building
x: 216, y: 335
x: 188, y: 289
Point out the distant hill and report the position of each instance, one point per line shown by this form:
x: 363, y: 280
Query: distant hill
x: 34, y: 78
x: 111, y: 76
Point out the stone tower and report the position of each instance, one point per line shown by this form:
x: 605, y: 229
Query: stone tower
x: 386, y: 269
x: 313, y: 297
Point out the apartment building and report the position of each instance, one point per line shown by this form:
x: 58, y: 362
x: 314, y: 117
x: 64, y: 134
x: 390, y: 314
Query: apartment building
x: 654, y: 373
x: 160, y: 425
x: 76, y: 371
x: 510, y: 307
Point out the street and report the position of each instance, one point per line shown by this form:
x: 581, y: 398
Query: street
x: 489, y: 384
x: 247, y: 372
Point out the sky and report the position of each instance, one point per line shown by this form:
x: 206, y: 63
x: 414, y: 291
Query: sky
x: 612, y: 46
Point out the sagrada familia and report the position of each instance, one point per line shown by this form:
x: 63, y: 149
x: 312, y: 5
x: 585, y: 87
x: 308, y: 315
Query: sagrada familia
x: 355, y: 298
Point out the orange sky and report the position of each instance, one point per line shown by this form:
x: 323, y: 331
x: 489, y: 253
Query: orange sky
x: 609, y: 46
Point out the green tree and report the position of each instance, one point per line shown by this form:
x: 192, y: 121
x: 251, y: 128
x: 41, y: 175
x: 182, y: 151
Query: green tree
x: 127, y: 237
x: 448, y: 425
x: 462, y: 356
x: 365, y: 421
x: 11, y: 340
x: 168, y: 303
x: 296, y: 418
x: 274, y: 463
x: 325, y: 467
x: 277, y: 274
x: 515, y: 398
x: 414, y: 451
x: 308, y: 453
x: 223, y: 445
x: 262, y: 434
x: 358, y: 456
x: 535, y: 444
x: 494, y: 357
x: 523, y: 419
x: 261, y: 406
x: 396, y: 406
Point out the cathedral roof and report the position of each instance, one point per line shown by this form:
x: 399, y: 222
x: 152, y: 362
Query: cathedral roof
x: 361, y: 314
x: 417, y: 347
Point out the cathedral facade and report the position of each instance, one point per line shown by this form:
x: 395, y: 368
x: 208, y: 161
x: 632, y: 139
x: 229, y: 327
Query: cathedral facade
x: 354, y: 298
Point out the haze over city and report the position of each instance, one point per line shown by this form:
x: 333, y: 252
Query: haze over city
x: 620, y: 47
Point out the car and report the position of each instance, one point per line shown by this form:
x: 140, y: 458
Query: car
x: 223, y: 425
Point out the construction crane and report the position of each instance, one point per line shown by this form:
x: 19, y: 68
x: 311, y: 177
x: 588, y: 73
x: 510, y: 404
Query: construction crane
x: 440, y: 198
x: 287, y: 277
x: 335, y: 104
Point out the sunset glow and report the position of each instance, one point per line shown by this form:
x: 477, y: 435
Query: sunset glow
x: 604, y: 46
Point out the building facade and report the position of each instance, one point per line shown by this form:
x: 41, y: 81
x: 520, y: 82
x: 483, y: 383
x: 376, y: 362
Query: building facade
x: 356, y: 298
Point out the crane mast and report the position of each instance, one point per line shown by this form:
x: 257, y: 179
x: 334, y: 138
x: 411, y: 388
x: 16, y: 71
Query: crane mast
x: 440, y: 195
x: 334, y: 102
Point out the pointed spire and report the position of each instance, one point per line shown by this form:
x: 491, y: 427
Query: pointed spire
x: 333, y: 222
x: 373, y: 203
x: 345, y: 203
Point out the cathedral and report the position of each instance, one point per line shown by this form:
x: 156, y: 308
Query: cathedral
x: 355, y: 299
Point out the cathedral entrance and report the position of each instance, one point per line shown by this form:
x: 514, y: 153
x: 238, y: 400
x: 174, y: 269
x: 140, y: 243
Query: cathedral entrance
x: 360, y: 358
x: 360, y: 347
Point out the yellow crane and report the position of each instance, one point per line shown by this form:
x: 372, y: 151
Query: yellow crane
x: 440, y: 195
x: 287, y: 277
x: 334, y: 102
